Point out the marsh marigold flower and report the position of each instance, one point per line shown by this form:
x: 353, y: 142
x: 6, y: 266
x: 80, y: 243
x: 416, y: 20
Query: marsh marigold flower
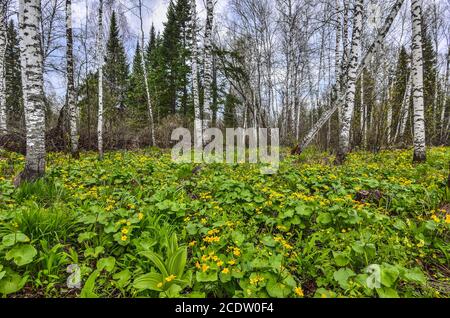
x: 299, y: 291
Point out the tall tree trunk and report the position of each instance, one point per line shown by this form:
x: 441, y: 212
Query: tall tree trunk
x: 347, y: 111
x: 33, y: 93
x: 147, y: 89
x: 365, y: 61
x: 198, y: 124
x: 71, y: 99
x: 3, y: 43
x: 417, y: 82
x: 208, y: 61
x: 100, y: 59
x: 405, y: 109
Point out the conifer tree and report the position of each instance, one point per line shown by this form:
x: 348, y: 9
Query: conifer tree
x: 14, y: 99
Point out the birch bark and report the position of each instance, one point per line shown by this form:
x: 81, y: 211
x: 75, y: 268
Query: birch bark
x: 347, y: 111
x: 208, y: 78
x: 71, y: 99
x: 100, y: 59
x: 417, y: 82
x: 198, y: 124
x: 33, y: 93
x: 3, y: 43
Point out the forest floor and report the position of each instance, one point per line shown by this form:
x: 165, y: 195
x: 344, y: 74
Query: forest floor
x: 137, y: 224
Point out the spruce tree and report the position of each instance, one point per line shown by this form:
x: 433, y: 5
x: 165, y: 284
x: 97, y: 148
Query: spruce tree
x: 14, y: 100
x: 115, y: 70
x: 137, y: 109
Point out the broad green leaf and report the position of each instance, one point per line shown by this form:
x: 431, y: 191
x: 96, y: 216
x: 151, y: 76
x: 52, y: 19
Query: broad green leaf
x: 150, y: 281
x: 389, y: 275
x: 341, y: 259
x: 106, y: 263
x: 157, y: 261
x: 12, y: 283
x: 342, y: 275
x: 21, y: 254
x: 14, y: 238
x: 210, y: 276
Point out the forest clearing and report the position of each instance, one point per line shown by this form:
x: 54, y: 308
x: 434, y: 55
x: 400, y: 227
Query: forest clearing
x: 139, y: 225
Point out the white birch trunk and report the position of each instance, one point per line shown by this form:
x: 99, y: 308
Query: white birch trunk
x: 71, y: 98
x: 147, y: 88
x: 417, y: 82
x: 208, y: 61
x: 100, y: 59
x: 3, y: 43
x: 198, y: 124
x: 347, y: 111
x: 31, y: 64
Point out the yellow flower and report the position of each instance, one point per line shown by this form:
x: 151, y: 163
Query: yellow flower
x: 219, y: 263
x: 170, y: 278
x: 232, y: 262
x: 225, y: 271
x: 191, y: 244
x: 197, y: 264
x: 237, y: 251
x: 203, y: 221
x: 159, y: 285
x: 435, y: 218
x: 140, y: 216
x: 124, y: 231
x: 447, y: 219
x: 205, y: 267
x: 299, y: 291
x: 123, y: 238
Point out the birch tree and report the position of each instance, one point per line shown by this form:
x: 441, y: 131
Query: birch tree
x: 347, y: 111
x: 71, y: 99
x: 33, y: 94
x: 3, y: 43
x: 100, y: 59
x: 417, y: 82
x: 208, y: 61
x: 198, y: 126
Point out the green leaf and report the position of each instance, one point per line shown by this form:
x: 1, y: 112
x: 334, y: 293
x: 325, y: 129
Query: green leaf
x: 12, y: 283
x: 22, y: 254
x: 122, y: 278
x: 268, y: 240
x: 415, y: 275
x: 303, y: 210
x: 386, y: 292
x: 94, y: 252
x: 342, y: 276
x: 86, y: 236
x: 177, y: 262
x: 149, y: 281
x: 88, y: 289
x: 341, y: 259
x: 106, y: 263
x: 389, y: 275
x: 157, y: 261
x: 11, y: 239
x: 277, y: 289
x: 210, y: 276
x: 324, y: 218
